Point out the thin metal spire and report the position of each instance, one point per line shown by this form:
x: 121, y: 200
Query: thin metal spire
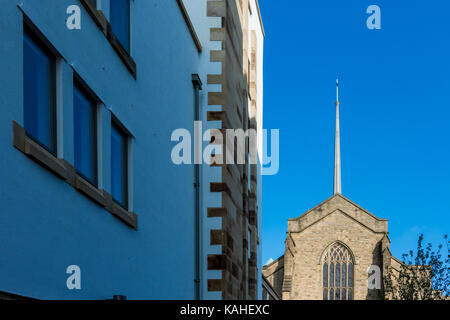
x: 337, y: 147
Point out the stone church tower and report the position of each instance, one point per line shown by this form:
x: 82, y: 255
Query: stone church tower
x: 333, y: 250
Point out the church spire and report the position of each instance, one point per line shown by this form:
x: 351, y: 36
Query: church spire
x: 337, y: 147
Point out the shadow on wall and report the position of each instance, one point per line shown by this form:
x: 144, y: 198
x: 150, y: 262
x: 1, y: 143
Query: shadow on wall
x: 376, y: 294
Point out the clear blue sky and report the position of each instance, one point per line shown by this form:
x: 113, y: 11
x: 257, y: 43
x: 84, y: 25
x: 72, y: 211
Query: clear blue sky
x: 395, y: 113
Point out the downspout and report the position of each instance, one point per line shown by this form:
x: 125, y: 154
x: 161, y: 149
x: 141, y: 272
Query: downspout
x: 197, y: 154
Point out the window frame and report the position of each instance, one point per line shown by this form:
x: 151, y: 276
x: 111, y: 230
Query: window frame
x: 105, y: 27
x: 331, y: 279
x: 94, y: 3
x: 249, y: 257
x: 54, y: 161
x: 249, y: 235
x: 127, y: 46
x: 115, y: 123
x: 36, y: 39
x: 95, y: 101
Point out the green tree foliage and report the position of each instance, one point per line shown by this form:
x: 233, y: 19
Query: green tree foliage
x: 424, y: 274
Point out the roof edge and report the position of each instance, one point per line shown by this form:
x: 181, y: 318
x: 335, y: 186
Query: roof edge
x: 260, y: 18
x: 346, y: 199
x: 269, y: 264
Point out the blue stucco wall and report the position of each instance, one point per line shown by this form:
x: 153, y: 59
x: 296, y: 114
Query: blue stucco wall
x: 45, y: 224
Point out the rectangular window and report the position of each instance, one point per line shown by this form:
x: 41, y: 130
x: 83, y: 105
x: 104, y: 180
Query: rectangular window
x: 249, y: 235
x: 249, y: 174
x: 249, y: 160
x: 249, y: 243
x: 119, y: 166
x: 120, y: 21
x: 39, y: 92
x: 85, y: 133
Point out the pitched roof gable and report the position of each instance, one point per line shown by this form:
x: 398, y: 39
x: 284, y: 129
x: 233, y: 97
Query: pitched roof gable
x: 329, y: 199
x: 367, y: 219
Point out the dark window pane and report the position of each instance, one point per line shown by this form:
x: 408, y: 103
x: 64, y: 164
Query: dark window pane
x: 338, y: 274
x: 249, y: 237
x: 331, y: 274
x: 350, y: 275
x: 120, y: 21
x: 39, y: 93
x: 325, y: 275
x: 350, y: 294
x: 249, y: 173
x: 325, y: 294
x: 119, y: 165
x: 344, y: 275
x: 85, y: 135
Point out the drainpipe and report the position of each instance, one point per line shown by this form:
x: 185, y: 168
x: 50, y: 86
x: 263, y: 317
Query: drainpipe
x: 198, y: 221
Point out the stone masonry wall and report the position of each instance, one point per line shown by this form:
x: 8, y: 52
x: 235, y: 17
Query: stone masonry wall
x: 237, y: 264
x: 310, y: 235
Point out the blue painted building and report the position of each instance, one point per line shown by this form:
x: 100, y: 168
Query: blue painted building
x: 86, y: 177
x: 92, y: 205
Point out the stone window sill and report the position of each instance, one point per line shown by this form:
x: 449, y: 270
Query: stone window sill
x: 104, y: 26
x: 64, y: 170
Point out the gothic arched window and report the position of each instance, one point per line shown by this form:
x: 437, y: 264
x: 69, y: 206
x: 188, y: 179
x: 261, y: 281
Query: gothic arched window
x: 337, y: 266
